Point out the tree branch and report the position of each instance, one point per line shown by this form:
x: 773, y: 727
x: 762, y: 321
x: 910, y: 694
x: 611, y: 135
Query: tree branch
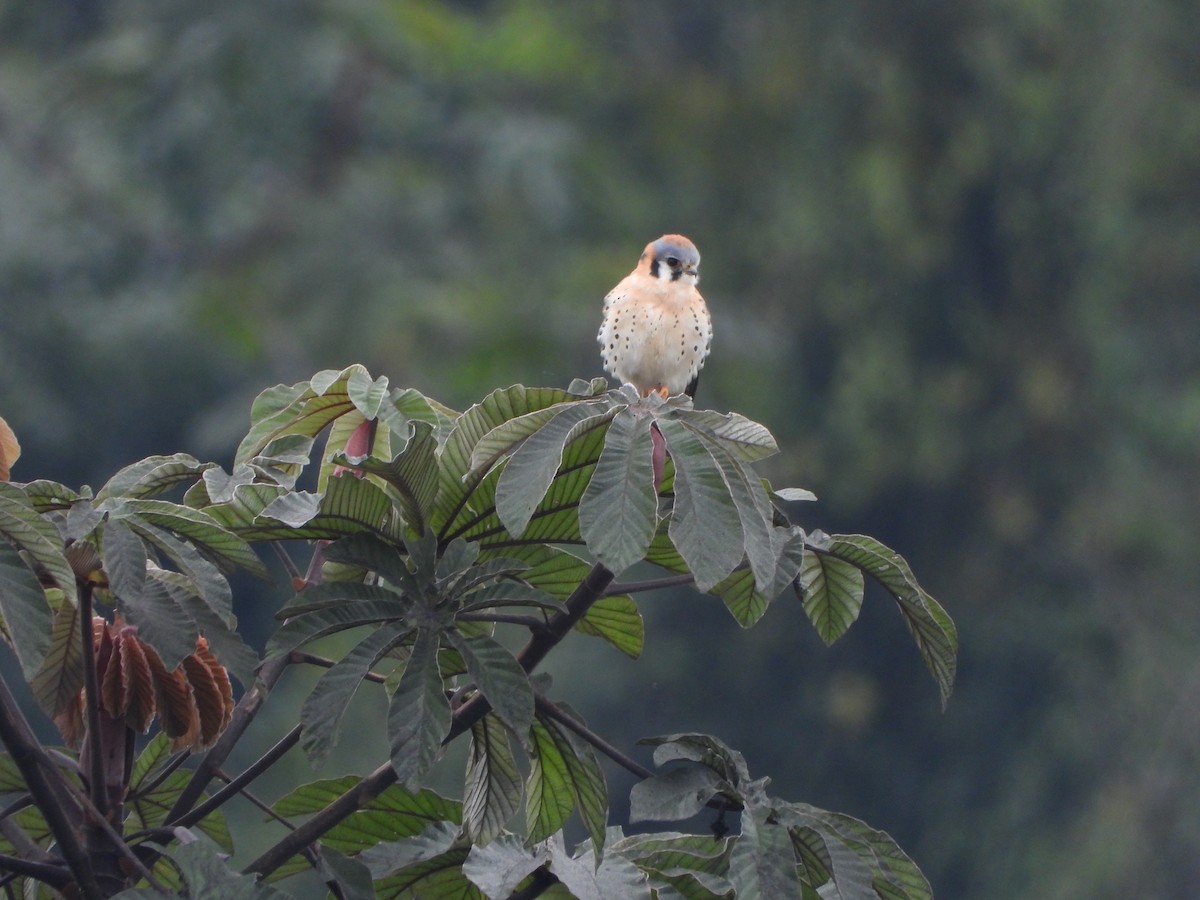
x: 91, y: 703
x: 37, y: 770
x: 55, y: 876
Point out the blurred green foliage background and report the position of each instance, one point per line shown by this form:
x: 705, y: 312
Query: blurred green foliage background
x: 952, y: 252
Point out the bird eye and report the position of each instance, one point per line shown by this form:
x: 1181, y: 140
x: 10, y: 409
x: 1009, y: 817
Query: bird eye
x: 673, y: 262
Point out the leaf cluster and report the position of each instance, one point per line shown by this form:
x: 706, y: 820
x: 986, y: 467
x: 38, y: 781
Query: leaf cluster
x: 436, y: 538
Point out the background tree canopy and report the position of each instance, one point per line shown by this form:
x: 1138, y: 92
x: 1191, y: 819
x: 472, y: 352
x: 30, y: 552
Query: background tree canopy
x: 951, y: 255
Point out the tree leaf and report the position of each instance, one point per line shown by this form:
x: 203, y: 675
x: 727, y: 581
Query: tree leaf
x: 153, y: 475
x: 58, y: 681
x: 323, y: 709
x: 762, y: 864
x: 458, y: 479
x: 531, y: 468
x: 419, y: 713
x: 498, y: 676
x: 387, y: 858
x: 748, y: 441
x: 619, y: 510
x: 549, y: 795
x: 705, y: 526
x: 26, y: 529
x: 933, y: 629
x: 676, y: 794
x: 832, y: 591
x: 309, y: 626
x: 492, y: 792
x: 753, y: 507
x: 10, y: 450
x: 499, y: 867
x: 617, y: 620
x: 199, y: 529
x: 304, y: 408
x: 26, y: 615
x: 588, y: 878
x: 393, y: 814
x: 585, y: 778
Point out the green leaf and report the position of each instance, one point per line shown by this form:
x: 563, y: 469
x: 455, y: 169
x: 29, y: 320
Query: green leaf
x: 530, y: 470
x: 492, y: 792
x: 196, y: 527
x: 498, y: 868
x: 438, y: 878
x: 693, y: 865
x: 585, y: 778
x: 209, y: 583
x: 304, y: 408
x: 393, y: 814
x: 207, y: 874
x: 419, y: 713
x: 704, y: 749
x: 309, y: 626
x: 753, y: 507
x: 673, y: 795
x: 832, y: 590
x: 617, y: 620
x: 46, y: 496
x: 26, y: 614
x: 223, y: 639
x: 57, y: 682
x: 933, y: 629
x: 618, y: 512
x: 153, y: 475
x: 387, y: 858
x: 26, y: 529
x: 586, y: 876
x: 323, y: 709
x: 705, y: 526
x: 762, y: 864
x: 748, y: 441
x: 549, y: 794
x: 856, y: 854
x: 458, y: 478
x: 498, y: 676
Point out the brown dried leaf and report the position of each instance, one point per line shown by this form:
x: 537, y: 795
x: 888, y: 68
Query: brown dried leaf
x: 220, y: 675
x: 10, y: 450
x: 208, y: 700
x: 137, y: 683
x: 178, y: 715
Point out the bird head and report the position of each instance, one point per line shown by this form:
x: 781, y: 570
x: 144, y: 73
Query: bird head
x: 672, y: 258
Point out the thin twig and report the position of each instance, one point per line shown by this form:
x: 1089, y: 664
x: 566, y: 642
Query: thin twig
x: 268, y: 759
x: 618, y: 756
x: 262, y: 805
x: 300, y: 656
x: 289, y: 565
x: 652, y: 584
x: 533, y: 623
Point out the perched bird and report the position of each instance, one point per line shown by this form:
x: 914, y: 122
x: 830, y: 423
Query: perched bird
x: 656, y: 331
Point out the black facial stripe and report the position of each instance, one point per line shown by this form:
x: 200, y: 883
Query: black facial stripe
x: 654, y: 269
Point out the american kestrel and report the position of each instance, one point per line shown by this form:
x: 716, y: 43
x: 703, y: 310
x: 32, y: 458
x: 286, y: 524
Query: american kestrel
x: 656, y: 331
